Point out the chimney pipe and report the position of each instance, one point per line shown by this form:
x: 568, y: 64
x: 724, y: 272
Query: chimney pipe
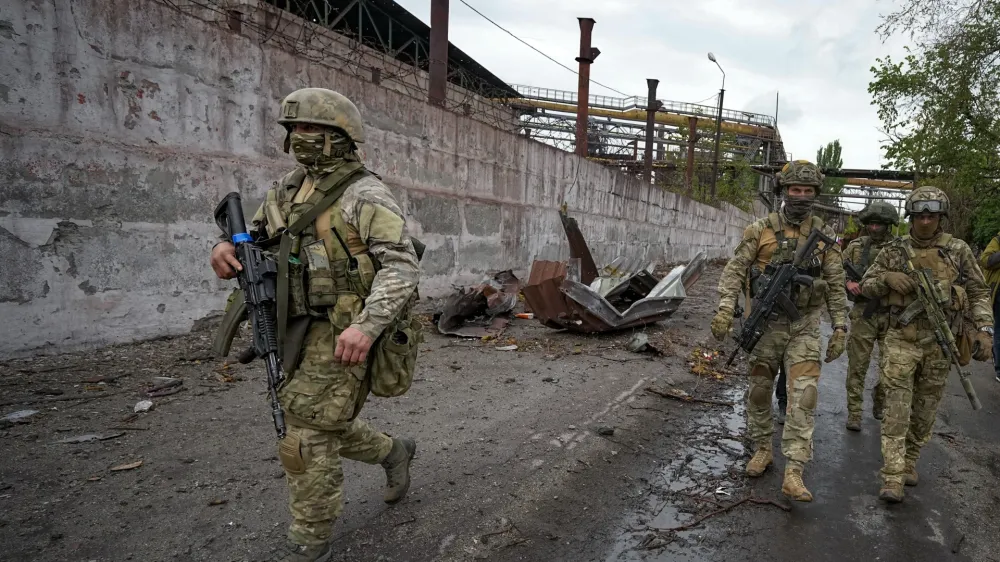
x: 438, y: 89
x: 583, y: 94
x: 652, y: 104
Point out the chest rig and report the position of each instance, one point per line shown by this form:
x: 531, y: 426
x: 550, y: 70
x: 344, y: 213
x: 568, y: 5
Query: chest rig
x: 320, y: 258
x: 945, y: 271
x: 782, y: 252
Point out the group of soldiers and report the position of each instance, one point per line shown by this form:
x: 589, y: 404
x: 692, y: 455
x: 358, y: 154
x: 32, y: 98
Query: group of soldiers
x: 913, y: 367
x: 350, y: 273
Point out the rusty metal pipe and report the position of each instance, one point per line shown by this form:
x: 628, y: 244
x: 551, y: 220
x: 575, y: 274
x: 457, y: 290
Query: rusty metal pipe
x: 585, y: 59
x: 692, y: 139
x: 437, y: 90
x: 651, y: 106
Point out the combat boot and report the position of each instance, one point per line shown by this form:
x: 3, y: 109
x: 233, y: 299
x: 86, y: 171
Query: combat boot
x: 793, y: 487
x: 854, y: 422
x: 910, y: 476
x: 303, y: 553
x: 891, y: 492
x: 759, y: 462
x: 397, y: 469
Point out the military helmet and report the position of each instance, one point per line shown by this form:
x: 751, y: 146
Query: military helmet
x: 319, y: 106
x: 879, y: 212
x: 800, y: 172
x: 927, y: 199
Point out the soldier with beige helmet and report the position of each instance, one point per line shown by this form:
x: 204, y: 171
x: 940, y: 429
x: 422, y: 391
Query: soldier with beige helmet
x: 769, y: 242
x: 347, y: 278
x: 915, y: 367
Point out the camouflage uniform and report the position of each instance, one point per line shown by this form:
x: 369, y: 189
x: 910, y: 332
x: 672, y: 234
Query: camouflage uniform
x: 914, y: 367
x: 866, y: 331
x: 322, y: 397
x: 797, y: 344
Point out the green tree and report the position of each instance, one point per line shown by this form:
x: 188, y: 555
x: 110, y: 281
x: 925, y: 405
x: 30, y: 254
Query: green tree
x: 829, y: 157
x: 940, y: 105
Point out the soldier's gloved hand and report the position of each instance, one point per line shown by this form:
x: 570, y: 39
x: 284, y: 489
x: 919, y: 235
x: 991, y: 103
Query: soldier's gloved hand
x: 722, y: 322
x: 982, y: 347
x: 900, y: 282
x: 837, y: 344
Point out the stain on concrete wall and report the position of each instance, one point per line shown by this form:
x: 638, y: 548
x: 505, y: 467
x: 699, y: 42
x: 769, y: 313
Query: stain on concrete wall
x: 118, y: 135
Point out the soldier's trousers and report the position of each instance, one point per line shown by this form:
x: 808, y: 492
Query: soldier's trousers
x: 864, y: 333
x: 322, y: 399
x: 315, y: 475
x: 797, y: 345
x: 914, y: 373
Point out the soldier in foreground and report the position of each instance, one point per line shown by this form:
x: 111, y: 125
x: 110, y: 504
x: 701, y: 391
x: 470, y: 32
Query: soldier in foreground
x: 916, y: 366
x: 869, y: 317
x: 796, y: 344
x: 350, y: 275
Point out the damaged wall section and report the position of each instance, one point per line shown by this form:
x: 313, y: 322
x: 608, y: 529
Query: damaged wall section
x: 122, y: 123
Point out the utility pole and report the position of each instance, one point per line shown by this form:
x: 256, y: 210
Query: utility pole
x: 718, y: 127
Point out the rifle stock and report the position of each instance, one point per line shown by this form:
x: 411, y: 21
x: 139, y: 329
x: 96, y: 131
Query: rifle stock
x: 258, y: 281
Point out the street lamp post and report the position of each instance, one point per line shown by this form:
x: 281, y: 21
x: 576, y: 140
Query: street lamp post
x: 718, y: 126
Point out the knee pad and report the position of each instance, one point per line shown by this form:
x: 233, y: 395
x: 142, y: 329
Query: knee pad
x: 810, y: 396
x: 290, y: 454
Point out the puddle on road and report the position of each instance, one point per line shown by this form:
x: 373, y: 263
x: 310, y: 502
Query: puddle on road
x: 700, y: 469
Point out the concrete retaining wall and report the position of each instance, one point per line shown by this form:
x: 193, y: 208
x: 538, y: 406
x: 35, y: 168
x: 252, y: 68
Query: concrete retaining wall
x: 122, y: 123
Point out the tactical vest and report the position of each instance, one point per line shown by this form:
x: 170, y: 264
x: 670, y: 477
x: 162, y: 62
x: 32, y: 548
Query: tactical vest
x: 326, y: 266
x: 945, y: 271
x: 776, y: 246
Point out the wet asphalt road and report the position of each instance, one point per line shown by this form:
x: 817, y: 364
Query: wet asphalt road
x: 847, y: 521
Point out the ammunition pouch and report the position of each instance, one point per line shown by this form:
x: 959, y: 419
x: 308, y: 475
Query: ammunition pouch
x: 816, y: 293
x: 394, y: 358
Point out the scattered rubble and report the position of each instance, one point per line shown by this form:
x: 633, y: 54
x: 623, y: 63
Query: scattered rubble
x: 480, y: 311
x: 88, y: 438
x: 574, y: 295
x: 143, y: 406
x: 20, y: 416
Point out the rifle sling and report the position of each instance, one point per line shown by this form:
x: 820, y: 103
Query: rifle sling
x: 334, y: 186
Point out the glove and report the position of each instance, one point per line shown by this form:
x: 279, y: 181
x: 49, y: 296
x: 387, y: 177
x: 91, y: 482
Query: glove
x: 722, y: 322
x: 835, y: 347
x: 982, y: 347
x: 900, y: 282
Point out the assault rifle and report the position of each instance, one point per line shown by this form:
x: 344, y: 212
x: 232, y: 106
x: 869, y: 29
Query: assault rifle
x: 258, y: 281
x: 777, y: 288
x: 930, y: 300
x: 853, y: 274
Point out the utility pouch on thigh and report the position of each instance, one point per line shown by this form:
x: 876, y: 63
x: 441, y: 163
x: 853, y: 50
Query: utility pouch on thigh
x: 321, y: 289
x: 395, y: 358
x: 290, y: 454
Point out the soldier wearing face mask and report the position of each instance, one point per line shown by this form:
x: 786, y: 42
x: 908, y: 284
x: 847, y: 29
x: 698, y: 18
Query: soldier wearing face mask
x: 795, y: 344
x: 869, y: 319
x: 350, y: 274
x: 915, y: 367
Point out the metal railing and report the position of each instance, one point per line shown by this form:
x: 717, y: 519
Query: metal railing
x: 639, y: 102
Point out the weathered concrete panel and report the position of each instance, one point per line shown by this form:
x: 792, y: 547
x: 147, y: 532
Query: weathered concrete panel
x: 118, y: 135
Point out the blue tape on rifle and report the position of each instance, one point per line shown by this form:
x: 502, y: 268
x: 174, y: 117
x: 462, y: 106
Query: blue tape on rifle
x: 241, y: 237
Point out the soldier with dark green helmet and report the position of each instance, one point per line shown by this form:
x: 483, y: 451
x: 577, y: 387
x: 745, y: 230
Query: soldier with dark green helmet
x: 869, y: 318
x: 794, y: 344
x: 347, y: 279
x: 915, y: 365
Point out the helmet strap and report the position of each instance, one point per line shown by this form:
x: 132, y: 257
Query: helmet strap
x: 288, y: 140
x: 327, y: 144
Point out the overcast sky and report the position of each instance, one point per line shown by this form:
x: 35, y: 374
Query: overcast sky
x: 817, y: 53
